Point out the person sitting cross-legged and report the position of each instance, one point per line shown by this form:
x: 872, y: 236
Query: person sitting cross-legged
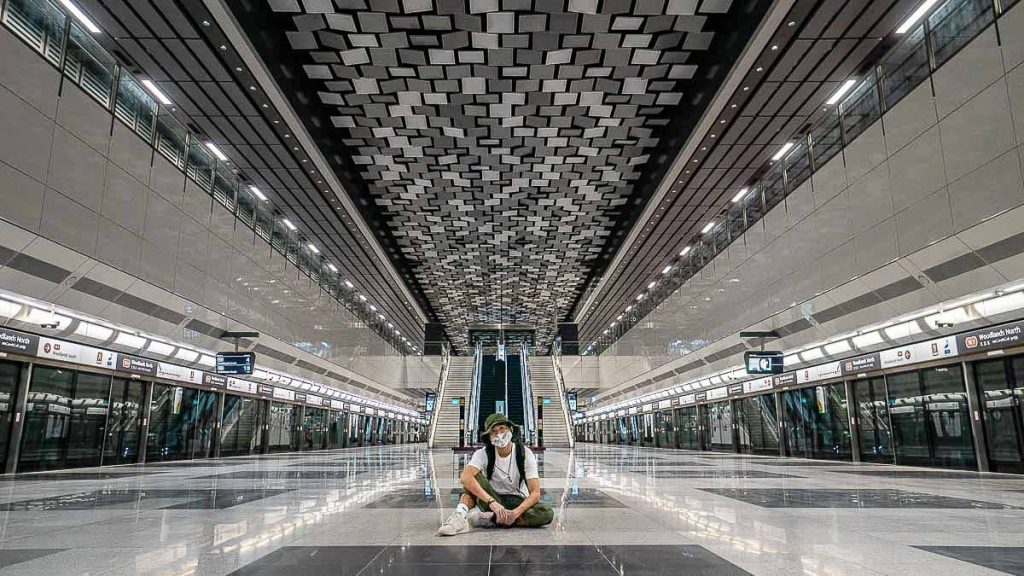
x: 501, y: 485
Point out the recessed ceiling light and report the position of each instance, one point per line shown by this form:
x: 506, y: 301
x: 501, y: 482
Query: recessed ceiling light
x: 739, y: 195
x: 917, y: 15
x: 666, y: 270
x: 349, y: 284
x: 707, y: 227
x: 332, y: 267
x: 288, y: 224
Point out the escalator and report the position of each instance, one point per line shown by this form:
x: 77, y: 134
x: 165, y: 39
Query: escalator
x: 515, y: 389
x: 492, y: 387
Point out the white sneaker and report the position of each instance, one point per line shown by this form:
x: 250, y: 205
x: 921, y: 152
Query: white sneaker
x: 478, y: 519
x: 455, y: 524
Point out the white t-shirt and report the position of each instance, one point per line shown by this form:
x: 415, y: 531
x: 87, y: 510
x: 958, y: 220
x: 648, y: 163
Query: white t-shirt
x: 505, y: 479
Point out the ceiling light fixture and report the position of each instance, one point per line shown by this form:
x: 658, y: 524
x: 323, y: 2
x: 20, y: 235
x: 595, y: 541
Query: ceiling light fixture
x: 256, y: 192
x: 652, y: 285
x: 739, y: 195
x: 782, y: 151
x: 81, y: 17
x: 917, y: 15
x: 666, y: 269
x: 313, y: 249
x: 708, y: 227
x: 156, y: 92
x: 348, y: 284
x: 686, y: 251
x: 841, y: 92
x: 288, y: 224
x: 216, y: 152
x: 332, y: 267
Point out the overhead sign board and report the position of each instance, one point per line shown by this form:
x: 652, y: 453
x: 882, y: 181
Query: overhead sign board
x: 763, y: 362
x: 235, y: 363
x: 15, y: 342
x: 1002, y: 336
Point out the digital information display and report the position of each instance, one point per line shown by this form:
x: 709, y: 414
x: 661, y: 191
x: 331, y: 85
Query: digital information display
x: 572, y: 401
x: 763, y: 362
x: 236, y: 363
x: 431, y: 399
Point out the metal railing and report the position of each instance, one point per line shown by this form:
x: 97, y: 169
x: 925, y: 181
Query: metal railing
x: 911, y: 61
x: 72, y: 50
x: 556, y: 362
x: 442, y: 387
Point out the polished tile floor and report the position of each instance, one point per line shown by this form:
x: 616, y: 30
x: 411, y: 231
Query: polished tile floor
x: 618, y: 511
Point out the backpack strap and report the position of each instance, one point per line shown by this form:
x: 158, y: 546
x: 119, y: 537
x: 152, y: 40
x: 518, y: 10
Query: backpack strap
x: 521, y: 462
x: 489, y: 450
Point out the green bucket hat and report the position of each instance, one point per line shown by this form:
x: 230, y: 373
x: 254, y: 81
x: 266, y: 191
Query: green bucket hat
x: 492, y: 421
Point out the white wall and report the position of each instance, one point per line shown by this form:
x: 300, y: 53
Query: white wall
x: 939, y: 176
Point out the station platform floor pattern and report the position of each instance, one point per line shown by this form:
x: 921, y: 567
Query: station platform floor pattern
x: 618, y: 510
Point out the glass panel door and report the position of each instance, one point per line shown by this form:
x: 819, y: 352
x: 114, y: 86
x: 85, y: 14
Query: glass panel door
x: 909, y: 422
x: 758, y: 424
x: 336, y: 431
x: 47, y: 417
x: 10, y: 374
x: 284, y: 420
x: 999, y: 395
x: 122, y: 442
x: 949, y: 417
x: 689, y: 434
x: 873, y: 410
x: 830, y: 423
x: 721, y: 426
x: 181, y: 423
x: 315, y: 438
x: 796, y: 405
x: 240, y: 426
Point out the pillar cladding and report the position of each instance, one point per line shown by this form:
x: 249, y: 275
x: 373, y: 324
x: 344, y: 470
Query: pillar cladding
x: 569, y: 333
x: 433, y: 339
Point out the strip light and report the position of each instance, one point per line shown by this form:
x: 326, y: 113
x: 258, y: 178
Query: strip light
x: 782, y: 151
x: 313, y: 248
x: 156, y: 92
x: 708, y: 227
x: 288, y: 224
x: 81, y: 17
x: 739, y: 195
x: 256, y: 192
x: 917, y: 15
x: 216, y: 151
x: 841, y: 92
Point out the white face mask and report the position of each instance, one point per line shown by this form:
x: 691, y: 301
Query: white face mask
x: 502, y: 440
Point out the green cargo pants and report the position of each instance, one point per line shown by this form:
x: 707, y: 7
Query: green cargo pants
x: 537, y: 516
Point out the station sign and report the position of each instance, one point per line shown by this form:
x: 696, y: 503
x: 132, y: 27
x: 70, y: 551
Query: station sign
x: 136, y: 365
x: 14, y: 342
x: 861, y: 364
x: 235, y: 363
x: 236, y: 385
x: 214, y: 380
x: 919, y: 352
x: 1002, y: 336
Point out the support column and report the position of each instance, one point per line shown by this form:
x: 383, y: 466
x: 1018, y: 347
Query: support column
x: 540, y: 421
x: 462, y: 421
x: 735, y: 427
x: 781, y: 422
x: 218, y: 425
x: 853, y: 412
x: 18, y: 426
x: 147, y: 414
x: 974, y: 407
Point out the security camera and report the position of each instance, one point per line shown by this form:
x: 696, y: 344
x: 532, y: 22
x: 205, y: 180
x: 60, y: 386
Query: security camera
x: 49, y: 325
x: 943, y: 324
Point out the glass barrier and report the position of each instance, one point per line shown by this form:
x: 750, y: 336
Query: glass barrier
x: 135, y: 108
x: 955, y: 23
x: 905, y: 66
x: 200, y: 165
x: 40, y: 24
x: 88, y: 65
x: 171, y: 138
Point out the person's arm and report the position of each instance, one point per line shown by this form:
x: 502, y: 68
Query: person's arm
x: 468, y: 479
x: 533, y: 484
x: 469, y: 482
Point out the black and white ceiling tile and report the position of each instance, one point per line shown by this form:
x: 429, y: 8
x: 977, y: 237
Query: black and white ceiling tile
x: 502, y: 140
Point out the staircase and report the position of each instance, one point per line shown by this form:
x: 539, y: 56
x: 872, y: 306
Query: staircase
x: 460, y: 382
x: 542, y: 379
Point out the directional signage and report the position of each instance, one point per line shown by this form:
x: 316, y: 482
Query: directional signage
x: 18, y: 342
x: 236, y: 363
x: 1002, y: 336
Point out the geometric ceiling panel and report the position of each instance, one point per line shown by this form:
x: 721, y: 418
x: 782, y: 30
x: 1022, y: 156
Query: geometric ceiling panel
x: 501, y: 141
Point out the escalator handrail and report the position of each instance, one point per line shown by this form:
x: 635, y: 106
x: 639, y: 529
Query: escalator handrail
x: 557, y: 365
x: 442, y: 388
x: 474, y: 395
x: 528, y: 423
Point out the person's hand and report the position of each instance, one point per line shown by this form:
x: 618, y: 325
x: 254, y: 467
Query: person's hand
x: 501, y: 514
x: 513, y: 515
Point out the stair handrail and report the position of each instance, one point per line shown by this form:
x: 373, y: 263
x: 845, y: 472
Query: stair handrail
x: 529, y: 426
x: 442, y: 387
x: 556, y: 362
x: 473, y: 413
